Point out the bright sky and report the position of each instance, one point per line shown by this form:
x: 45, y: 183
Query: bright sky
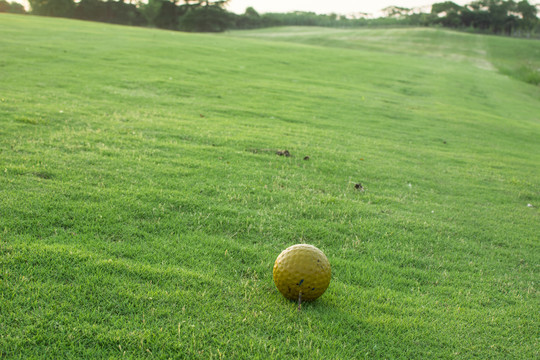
x: 342, y: 7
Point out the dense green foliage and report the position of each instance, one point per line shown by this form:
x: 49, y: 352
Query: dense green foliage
x: 206, y: 19
x: 11, y: 7
x: 496, y: 16
x: 493, y: 16
x: 142, y: 203
x: 203, y: 16
x: 58, y: 8
x: 116, y: 12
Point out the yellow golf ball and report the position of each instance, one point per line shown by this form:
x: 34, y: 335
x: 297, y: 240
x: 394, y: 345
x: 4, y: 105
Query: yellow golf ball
x: 302, y: 269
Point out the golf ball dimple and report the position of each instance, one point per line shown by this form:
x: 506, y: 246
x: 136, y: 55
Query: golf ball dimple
x: 302, y: 269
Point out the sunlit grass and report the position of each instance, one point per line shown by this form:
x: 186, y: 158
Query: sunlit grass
x: 142, y: 203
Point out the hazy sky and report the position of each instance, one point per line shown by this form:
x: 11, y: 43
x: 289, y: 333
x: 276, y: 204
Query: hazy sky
x: 326, y: 6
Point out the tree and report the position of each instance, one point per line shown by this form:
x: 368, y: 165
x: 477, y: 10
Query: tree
x: 251, y: 12
x: 448, y: 14
x: 90, y: 10
x: 250, y: 19
x: 207, y: 18
x: 60, y: 8
x: 4, y: 6
x: 529, y: 19
x: 16, y: 8
x: 11, y: 7
x: 116, y: 12
x: 150, y: 10
x: 199, y: 3
x: 396, y: 12
x: 445, y: 7
x: 501, y: 15
x: 168, y: 16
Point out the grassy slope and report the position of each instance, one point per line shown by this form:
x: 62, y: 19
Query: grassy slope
x: 136, y: 220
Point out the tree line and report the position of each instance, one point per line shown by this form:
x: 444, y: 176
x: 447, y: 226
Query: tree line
x: 489, y: 16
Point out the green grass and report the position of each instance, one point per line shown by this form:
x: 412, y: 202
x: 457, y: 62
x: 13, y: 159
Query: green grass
x: 141, y: 208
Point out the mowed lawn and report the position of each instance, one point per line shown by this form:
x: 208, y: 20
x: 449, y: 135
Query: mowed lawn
x: 142, y: 202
